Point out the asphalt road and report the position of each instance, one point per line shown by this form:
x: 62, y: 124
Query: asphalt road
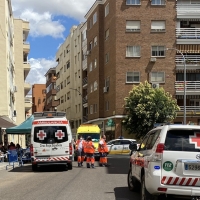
x: 101, y: 183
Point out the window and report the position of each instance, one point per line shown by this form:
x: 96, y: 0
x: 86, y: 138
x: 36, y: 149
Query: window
x: 107, y: 105
x: 107, y: 34
x: 68, y: 65
x: 65, y: 83
x: 132, y: 2
x: 95, y: 18
x: 91, y: 109
x: 90, y: 45
x: 95, y: 108
x: 132, y: 25
x: 107, y: 57
x: 68, y: 80
x: 90, y: 23
x: 152, y: 139
x: 132, y: 77
x: 157, y: 51
x: 157, y: 77
x: 157, y: 25
x: 189, y: 77
x: 107, y: 82
x: 91, y: 88
x: 95, y: 85
x: 62, y: 100
x: 95, y: 41
x: 65, y: 67
x: 68, y: 95
x: 61, y: 85
x: 90, y: 67
x: 143, y: 143
x: 106, y: 9
x: 157, y: 2
x: 133, y: 51
x: 95, y: 63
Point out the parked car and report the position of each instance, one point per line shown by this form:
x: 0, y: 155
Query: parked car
x: 120, y: 146
x: 167, y: 163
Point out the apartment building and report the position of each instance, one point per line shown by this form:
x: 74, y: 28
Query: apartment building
x: 13, y: 54
x: 38, y: 97
x: 51, y: 102
x: 69, y: 77
x: 126, y: 41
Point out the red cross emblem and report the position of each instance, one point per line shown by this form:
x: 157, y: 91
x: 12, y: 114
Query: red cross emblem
x: 195, y: 140
x: 59, y: 134
x: 41, y: 135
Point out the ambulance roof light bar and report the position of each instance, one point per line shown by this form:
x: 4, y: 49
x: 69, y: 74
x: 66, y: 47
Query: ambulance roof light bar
x: 49, y: 114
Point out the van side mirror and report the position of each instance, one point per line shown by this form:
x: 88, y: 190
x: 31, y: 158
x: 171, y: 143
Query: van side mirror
x: 133, y: 146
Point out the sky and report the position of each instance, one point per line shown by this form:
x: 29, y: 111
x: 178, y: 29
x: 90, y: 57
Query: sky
x: 50, y: 24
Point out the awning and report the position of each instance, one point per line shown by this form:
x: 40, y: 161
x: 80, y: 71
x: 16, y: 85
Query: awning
x: 23, y: 128
x: 188, y: 48
x: 5, y: 123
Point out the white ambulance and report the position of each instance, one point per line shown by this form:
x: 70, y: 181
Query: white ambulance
x: 51, y: 140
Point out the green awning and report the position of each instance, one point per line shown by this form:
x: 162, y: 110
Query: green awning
x: 23, y: 128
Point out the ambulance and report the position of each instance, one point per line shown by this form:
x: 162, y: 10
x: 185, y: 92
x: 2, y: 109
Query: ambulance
x: 51, y: 140
x: 94, y: 132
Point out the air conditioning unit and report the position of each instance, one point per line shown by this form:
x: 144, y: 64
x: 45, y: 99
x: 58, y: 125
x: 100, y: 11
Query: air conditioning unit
x: 155, y: 85
x: 152, y: 59
x: 105, y: 89
x: 14, y: 88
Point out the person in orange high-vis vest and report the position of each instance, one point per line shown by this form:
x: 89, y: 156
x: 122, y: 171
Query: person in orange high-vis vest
x: 80, y: 151
x: 103, y: 150
x: 89, y: 150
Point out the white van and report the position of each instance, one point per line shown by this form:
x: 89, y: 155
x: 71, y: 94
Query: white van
x: 51, y: 140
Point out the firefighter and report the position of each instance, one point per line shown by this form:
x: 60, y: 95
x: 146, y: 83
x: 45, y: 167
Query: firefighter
x: 103, y: 150
x: 89, y: 150
x: 79, y: 150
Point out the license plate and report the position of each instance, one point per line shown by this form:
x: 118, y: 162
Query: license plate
x: 192, y: 167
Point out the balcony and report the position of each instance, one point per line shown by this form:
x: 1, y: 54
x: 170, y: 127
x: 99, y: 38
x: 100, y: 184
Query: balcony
x: 52, y: 92
x: 191, y: 61
x: 26, y: 47
x: 84, y: 64
x: 27, y: 68
x: 187, y: 10
x: 190, y: 110
x: 27, y: 87
x: 28, y: 104
x: 85, y: 81
x: 52, y: 104
x: 85, y: 99
x: 51, y: 80
x: 85, y: 119
x: 188, y: 35
x: 192, y: 87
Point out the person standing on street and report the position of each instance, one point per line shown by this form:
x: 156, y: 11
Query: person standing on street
x: 89, y: 150
x: 80, y: 152
x: 103, y: 150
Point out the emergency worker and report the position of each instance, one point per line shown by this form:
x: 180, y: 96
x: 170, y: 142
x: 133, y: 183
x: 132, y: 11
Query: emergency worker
x: 89, y: 150
x: 79, y: 150
x: 103, y: 150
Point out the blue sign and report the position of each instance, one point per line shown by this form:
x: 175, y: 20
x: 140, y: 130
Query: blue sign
x: 157, y: 167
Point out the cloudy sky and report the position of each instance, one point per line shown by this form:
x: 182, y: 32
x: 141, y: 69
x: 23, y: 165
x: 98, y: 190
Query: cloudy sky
x: 50, y: 23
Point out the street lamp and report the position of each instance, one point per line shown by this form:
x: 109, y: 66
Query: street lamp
x: 184, y: 98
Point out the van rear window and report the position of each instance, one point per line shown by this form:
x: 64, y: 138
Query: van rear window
x: 50, y: 134
x: 183, y: 140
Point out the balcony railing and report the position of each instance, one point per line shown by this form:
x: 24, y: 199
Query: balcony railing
x: 84, y: 43
x: 190, y: 108
x: 85, y: 100
x: 85, y: 81
x: 84, y: 64
x: 190, y: 85
x: 188, y: 33
x: 85, y: 118
x: 187, y: 9
x: 189, y: 59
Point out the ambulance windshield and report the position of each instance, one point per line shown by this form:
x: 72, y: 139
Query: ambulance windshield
x: 95, y: 136
x: 50, y: 134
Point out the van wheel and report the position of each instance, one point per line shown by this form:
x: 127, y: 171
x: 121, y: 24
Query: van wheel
x: 144, y: 194
x: 34, y: 167
x: 69, y: 166
x: 133, y: 184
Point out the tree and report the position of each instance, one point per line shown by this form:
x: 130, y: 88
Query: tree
x: 146, y: 106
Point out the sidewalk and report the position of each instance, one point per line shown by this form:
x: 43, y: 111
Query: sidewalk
x: 3, y: 165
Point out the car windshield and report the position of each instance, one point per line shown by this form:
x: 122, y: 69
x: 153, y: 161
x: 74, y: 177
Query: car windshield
x: 95, y: 136
x: 183, y: 140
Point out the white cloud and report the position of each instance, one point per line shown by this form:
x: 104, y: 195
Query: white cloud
x: 40, y: 14
x: 39, y: 68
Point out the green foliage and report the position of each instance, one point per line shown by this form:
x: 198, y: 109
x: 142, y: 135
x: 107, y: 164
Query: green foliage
x: 146, y: 106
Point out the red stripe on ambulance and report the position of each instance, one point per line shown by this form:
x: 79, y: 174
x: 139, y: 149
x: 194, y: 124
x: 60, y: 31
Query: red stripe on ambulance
x: 51, y: 159
x: 50, y: 122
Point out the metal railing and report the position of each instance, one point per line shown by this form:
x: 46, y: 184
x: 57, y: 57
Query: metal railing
x: 190, y: 85
x: 188, y: 33
x: 187, y: 9
x: 84, y: 64
x: 85, y: 99
x: 189, y: 59
x: 85, y: 80
x: 189, y: 108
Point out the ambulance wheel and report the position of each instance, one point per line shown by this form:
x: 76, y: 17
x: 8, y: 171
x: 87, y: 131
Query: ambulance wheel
x: 69, y: 166
x: 133, y: 184
x: 34, y: 167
